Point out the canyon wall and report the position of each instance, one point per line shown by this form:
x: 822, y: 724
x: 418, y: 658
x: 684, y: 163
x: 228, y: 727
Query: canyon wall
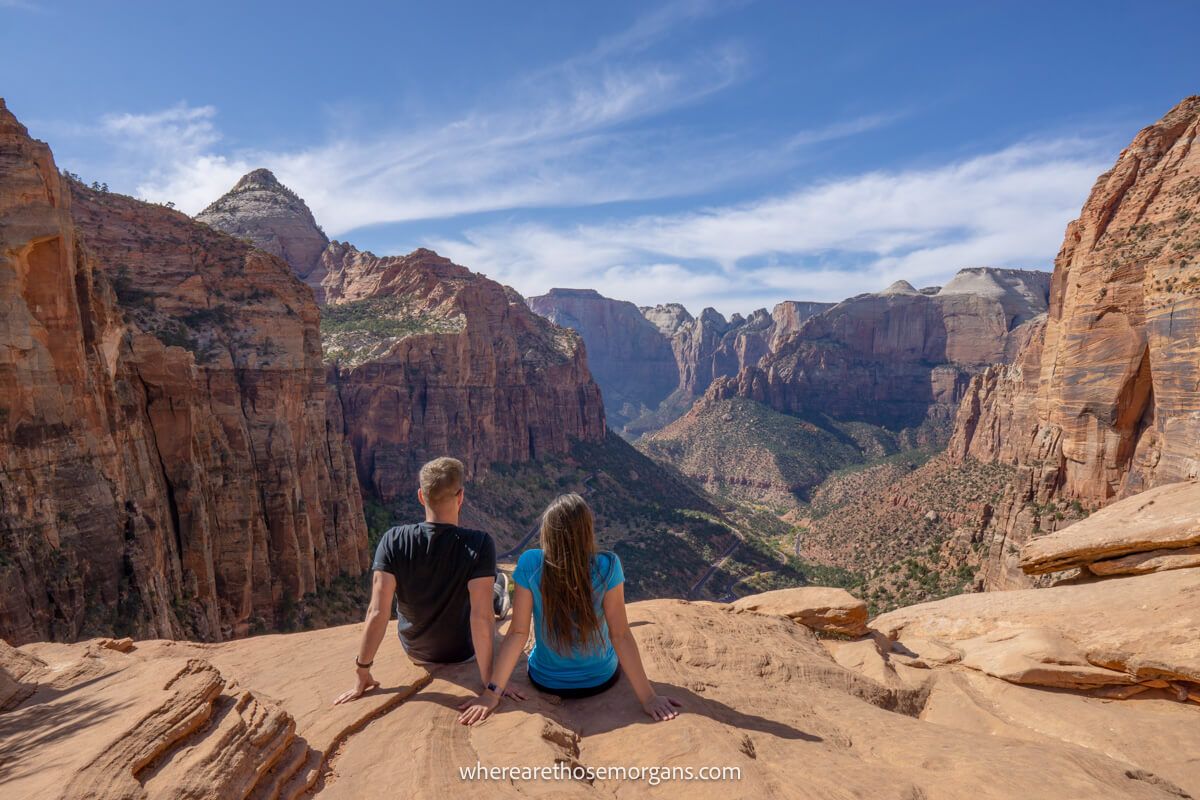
x: 652, y: 363
x: 170, y: 465
x: 1103, y: 399
x: 631, y: 359
x: 429, y: 358
x: 898, y: 357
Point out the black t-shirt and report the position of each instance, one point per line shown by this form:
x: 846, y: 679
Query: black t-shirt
x: 432, y: 562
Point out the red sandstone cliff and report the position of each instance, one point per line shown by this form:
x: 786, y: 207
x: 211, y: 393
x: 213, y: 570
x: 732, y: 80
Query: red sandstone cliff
x: 431, y: 358
x: 426, y: 357
x: 170, y: 466
x: 653, y: 362
x: 1102, y: 402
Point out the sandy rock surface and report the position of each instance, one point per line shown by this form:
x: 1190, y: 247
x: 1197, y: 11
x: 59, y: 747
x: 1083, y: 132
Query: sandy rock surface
x: 759, y: 692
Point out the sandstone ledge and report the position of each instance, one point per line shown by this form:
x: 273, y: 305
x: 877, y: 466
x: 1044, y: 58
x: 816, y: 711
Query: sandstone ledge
x: 821, y: 608
x: 1156, y: 521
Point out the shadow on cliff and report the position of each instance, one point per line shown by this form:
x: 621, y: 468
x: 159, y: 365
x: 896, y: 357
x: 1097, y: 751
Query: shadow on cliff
x: 37, y: 722
x: 615, y: 709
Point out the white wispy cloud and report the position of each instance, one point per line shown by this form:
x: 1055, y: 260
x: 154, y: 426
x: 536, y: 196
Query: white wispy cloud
x: 569, y: 145
x: 822, y: 242
x: 567, y: 135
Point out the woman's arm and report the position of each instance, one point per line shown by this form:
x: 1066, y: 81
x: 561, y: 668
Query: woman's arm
x: 477, y: 710
x: 655, y: 705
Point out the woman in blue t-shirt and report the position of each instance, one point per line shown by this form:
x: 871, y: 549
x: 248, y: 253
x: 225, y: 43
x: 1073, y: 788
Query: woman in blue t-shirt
x: 576, y: 598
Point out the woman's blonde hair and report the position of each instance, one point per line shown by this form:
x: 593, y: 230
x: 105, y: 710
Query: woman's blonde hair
x: 569, y: 550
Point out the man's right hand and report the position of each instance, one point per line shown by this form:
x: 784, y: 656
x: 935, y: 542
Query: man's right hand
x: 365, y: 684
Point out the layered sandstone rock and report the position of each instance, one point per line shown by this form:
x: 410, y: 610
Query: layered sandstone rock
x: 275, y: 219
x: 898, y: 357
x: 790, y: 315
x: 821, y: 608
x: 759, y: 694
x: 430, y: 358
x: 1102, y: 402
x: 1137, y: 534
x: 168, y: 465
x: 709, y: 346
x: 425, y: 357
x: 631, y: 359
x: 652, y: 364
x: 1132, y: 632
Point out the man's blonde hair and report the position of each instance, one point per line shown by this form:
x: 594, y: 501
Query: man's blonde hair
x: 441, y: 479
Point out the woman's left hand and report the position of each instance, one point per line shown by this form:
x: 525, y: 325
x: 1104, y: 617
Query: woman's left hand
x: 479, y: 709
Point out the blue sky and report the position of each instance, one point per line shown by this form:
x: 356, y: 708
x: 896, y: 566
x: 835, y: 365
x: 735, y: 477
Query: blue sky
x: 731, y: 154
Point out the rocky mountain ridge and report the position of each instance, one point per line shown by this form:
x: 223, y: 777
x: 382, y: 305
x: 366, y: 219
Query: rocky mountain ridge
x: 275, y: 219
x: 898, y: 357
x: 425, y: 356
x: 872, y: 358
x: 452, y: 362
x: 653, y: 362
x: 868, y: 378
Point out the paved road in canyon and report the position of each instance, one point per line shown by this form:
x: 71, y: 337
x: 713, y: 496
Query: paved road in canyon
x: 536, y: 528
x: 716, y: 565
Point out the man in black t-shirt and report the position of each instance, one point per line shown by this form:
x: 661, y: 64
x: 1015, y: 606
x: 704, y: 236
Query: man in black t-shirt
x: 447, y: 591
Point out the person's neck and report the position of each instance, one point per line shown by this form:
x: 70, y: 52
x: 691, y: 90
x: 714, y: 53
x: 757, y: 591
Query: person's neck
x: 441, y: 517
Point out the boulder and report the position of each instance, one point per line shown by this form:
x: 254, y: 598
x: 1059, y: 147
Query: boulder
x: 822, y: 608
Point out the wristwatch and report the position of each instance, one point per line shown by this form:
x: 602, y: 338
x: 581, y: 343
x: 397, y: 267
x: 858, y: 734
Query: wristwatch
x: 494, y: 689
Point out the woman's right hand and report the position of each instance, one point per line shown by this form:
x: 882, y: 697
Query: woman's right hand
x: 661, y: 708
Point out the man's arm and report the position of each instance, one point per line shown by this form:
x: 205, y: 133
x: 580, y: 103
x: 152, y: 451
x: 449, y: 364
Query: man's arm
x: 379, y: 613
x: 483, y: 625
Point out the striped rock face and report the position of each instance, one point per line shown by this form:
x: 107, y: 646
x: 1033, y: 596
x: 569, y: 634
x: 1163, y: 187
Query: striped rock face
x: 1105, y: 401
x: 170, y: 464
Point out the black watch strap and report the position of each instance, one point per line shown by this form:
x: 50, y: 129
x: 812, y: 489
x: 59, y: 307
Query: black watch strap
x: 361, y: 665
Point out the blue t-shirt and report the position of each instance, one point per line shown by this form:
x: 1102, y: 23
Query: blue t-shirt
x: 580, y: 668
